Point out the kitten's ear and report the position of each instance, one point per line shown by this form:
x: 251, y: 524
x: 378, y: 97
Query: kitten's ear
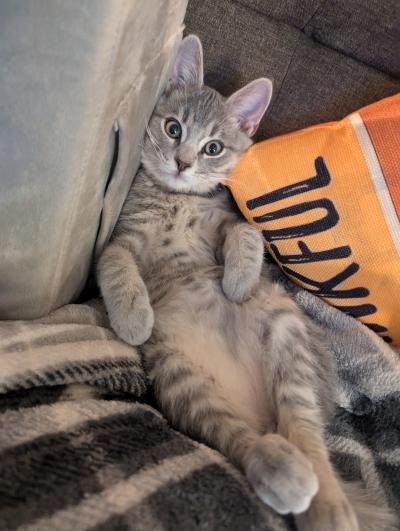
x: 188, y: 66
x: 249, y: 104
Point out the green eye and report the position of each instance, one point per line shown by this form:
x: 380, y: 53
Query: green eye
x: 173, y: 128
x: 212, y: 148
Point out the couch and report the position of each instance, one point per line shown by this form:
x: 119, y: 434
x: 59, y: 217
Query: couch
x: 82, y: 443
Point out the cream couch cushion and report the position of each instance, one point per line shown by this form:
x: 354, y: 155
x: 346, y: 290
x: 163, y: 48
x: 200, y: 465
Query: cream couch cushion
x: 69, y: 71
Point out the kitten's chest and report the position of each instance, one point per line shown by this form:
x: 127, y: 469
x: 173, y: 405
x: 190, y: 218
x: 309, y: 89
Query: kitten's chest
x: 188, y: 230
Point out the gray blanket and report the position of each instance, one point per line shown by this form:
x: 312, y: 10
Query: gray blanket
x: 99, y: 457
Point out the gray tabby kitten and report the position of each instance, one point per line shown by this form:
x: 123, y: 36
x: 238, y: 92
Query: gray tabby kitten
x: 232, y: 359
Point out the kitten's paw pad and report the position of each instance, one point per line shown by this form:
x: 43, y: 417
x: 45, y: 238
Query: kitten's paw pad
x: 281, y: 475
x: 330, y: 513
x: 238, y: 287
x: 134, y: 324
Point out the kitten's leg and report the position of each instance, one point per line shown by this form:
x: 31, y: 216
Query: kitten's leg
x: 243, y: 254
x: 300, y: 422
x: 330, y: 510
x: 194, y: 403
x: 125, y: 295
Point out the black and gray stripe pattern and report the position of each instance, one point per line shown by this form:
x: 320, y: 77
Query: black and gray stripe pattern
x: 72, y: 460
x: 97, y: 464
x: 73, y: 345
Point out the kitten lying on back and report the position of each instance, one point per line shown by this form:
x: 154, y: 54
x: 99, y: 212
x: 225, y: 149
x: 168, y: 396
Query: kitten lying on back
x: 232, y: 359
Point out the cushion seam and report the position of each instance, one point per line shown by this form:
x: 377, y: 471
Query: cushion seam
x: 302, y: 30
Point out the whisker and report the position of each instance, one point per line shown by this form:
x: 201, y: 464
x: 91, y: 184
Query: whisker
x: 150, y: 134
x: 157, y: 152
x: 155, y: 145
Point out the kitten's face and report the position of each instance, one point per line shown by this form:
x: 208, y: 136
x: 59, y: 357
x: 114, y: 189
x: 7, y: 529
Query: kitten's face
x: 195, y: 136
x: 192, y: 142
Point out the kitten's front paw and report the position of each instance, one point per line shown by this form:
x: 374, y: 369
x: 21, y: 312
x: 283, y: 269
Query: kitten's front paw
x: 243, y: 256
x: 281, y: 475
x: 134, y: 322
x: 238, y: 286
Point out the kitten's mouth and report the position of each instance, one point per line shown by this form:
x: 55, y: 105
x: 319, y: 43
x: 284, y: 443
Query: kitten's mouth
x: 180, y: 175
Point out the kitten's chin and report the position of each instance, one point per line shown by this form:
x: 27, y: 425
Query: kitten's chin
x: 170, y: 182
x: 188, y: 184
x: 178, y: 183
x: 174, y: 182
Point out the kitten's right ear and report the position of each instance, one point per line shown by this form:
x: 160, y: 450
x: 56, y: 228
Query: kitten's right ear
x: 188, y: 65
x: 249, y: 104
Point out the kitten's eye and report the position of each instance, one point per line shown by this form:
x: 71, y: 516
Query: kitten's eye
x: 173, y: 128
x: 212, y: 148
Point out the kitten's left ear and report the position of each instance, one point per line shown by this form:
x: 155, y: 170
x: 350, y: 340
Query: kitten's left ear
x: 249, y: 104
x: 188, y: 66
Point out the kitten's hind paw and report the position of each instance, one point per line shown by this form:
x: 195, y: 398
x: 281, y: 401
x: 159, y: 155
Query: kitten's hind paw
x: 281, y: 475
x: 134, y: 323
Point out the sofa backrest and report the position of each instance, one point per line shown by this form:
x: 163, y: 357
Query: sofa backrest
x: 71, y: 74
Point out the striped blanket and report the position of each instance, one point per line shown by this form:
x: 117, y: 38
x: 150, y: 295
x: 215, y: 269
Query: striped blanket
x: 81, y: 448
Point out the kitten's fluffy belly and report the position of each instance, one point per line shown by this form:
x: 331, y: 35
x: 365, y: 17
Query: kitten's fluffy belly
x: 222, y: 340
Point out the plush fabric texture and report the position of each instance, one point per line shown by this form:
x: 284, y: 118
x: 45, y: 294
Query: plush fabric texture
x: 73, y: 345
x: 69, y: 71
x: 321, y: 196
x: 92, y: 457
x: 74, y: 456
x: 109, y: 465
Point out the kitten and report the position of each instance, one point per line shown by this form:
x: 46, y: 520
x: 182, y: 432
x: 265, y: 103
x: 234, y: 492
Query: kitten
x: 232, y: 359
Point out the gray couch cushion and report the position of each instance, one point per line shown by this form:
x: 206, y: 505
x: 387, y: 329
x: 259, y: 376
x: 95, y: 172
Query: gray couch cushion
x: 366, y: 31
x: 326, y: 59
x: 68, y: 70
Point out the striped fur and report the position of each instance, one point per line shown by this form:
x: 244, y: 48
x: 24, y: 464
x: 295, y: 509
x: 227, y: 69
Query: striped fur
x: 232, y: 359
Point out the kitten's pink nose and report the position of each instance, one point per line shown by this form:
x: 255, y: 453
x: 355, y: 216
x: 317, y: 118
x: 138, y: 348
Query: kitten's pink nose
x: 182, y: 164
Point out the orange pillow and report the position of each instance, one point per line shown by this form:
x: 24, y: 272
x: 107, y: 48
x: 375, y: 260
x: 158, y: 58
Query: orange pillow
x: 327, y: 200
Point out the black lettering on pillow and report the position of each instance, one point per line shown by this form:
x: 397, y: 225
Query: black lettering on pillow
x: 325, y: 288
x: 299, y: 231
x: 321, y: 179
x: 307, y: 255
